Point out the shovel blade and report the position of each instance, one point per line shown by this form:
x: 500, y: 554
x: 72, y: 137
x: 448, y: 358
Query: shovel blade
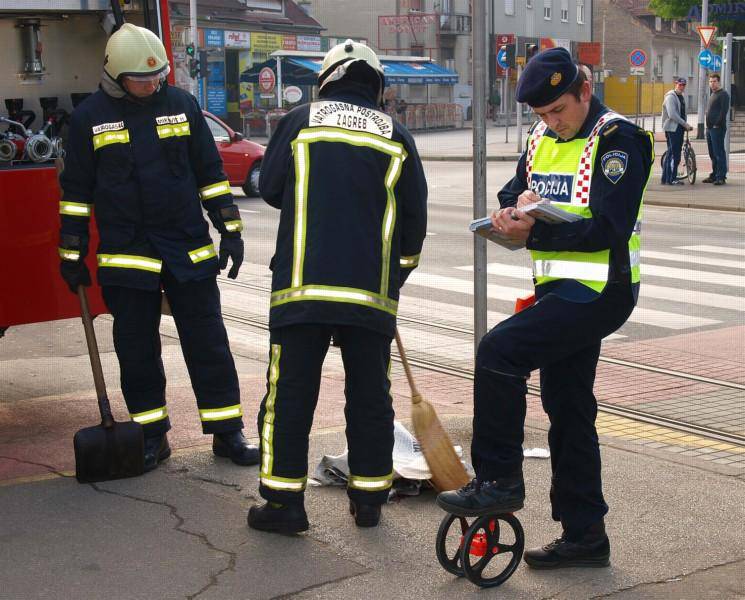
x: 106, y: 453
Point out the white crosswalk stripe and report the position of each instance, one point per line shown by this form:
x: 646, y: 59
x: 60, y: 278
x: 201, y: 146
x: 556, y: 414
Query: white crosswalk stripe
x: 641, y: 315
x: 714, y: 249
x: 694, y: 260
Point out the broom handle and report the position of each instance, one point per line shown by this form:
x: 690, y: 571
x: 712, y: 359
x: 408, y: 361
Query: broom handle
x: 107, y: 419
x: 416, y: 398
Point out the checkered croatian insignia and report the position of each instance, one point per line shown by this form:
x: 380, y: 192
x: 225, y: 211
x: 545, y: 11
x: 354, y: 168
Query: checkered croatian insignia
x: 614, y: 165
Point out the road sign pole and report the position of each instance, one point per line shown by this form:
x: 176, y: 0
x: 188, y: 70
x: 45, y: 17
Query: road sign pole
x: 519, y: 117
x: 727, y: 61
x: 702, y: 76
x: 479, y: 76
x: 506, y: 101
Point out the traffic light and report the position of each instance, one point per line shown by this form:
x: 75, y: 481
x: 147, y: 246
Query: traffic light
x: 530, y: 51
x: 190, y: 51
x: 194, y: 68
x: 509, y: 54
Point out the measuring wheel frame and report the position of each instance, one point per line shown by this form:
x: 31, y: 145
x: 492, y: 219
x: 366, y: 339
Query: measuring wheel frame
x: 479, y: 545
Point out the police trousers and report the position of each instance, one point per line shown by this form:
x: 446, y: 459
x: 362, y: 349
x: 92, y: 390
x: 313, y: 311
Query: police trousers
x: 562, y: 339
x: 286, y: 414
x: 196, y: 310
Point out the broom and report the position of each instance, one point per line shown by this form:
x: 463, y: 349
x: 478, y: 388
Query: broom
x: 448, y: 472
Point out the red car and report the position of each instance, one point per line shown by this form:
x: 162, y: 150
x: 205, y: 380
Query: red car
x: 241, y: 158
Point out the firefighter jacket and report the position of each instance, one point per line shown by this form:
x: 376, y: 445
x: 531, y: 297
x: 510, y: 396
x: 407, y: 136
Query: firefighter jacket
x: 351, y: 188
x: 146, y: 170
x: 600, y: 175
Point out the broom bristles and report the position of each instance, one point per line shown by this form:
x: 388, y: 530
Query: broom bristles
x: 448, y: 472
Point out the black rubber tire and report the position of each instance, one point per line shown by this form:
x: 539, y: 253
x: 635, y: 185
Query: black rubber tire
x: 691, y: 167
x: 473, y: 570
x: 450, y: 563
x: 251, y: 185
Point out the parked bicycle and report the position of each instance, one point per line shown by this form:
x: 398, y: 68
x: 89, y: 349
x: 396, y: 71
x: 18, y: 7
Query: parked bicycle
x: 687, y: 161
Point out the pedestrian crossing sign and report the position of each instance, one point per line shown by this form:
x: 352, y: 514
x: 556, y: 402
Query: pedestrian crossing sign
x: 706, y: 32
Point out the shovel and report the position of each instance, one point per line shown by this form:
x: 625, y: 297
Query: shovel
x: 110, y: 450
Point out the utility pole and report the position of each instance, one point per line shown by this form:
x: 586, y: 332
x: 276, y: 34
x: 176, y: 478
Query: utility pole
x: 479, y: 77
x: 727, y: 62
x: 702, y: 76
x: 519, y: 118
x: 194, y: 39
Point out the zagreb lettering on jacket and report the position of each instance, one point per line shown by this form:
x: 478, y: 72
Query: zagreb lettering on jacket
x: 350, y: 116
x: 107, y: 127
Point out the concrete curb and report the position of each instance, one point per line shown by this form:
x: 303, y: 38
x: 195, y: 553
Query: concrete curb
x: 500, y: 158
x: 648, y: 202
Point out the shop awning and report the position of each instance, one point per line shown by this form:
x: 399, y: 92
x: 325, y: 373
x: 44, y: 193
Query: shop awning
x: 300, y: 70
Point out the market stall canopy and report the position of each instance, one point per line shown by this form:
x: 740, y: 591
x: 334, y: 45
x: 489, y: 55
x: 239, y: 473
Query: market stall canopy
x: 301, y: 68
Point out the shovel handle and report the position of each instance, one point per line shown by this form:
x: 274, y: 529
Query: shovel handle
x: 416, y: 398
x: 107, y: 419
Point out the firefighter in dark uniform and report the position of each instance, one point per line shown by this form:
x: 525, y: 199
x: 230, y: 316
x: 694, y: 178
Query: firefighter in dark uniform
x: 140, y: 155
x: 351, y: 188
x: 594, y: 163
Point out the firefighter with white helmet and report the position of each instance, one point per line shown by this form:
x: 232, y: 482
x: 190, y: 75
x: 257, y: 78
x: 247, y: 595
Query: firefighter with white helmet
x: 141, y: 157
x: 352, y: 194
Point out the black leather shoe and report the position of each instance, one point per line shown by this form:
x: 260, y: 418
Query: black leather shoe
x: 365, y: 515
x: 156, y: 451
x: 719, y: 182
x: 479, y: 498
x: 278, y: 518
x: 709, y: 179
x: 592, y: 550
x: 233, y: 445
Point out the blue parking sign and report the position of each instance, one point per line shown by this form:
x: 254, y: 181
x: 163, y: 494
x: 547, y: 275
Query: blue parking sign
x: 716, y: 63
x: 502, y: 58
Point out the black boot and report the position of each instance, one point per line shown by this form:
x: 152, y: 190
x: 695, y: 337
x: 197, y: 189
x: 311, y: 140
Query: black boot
x: 156, y: 451
x: 478, y: 498
x: 590, y: 550
x: 709, y: 179
x: 365, y: 515
x: 233, y: 445
x: 278, y: 518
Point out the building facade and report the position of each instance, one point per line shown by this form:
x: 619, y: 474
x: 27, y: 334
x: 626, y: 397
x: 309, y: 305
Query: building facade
x: 672, y: 48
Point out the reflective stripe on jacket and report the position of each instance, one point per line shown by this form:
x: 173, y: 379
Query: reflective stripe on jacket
x: 562, y: 172
x: 147, y: 171
x: 352, y: 192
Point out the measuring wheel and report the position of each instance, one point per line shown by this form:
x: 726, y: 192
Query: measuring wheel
x: 487, y: 551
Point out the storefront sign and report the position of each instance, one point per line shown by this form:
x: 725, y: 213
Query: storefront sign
x: 213, y: 38
x: 729, y: 11
x: 237, y: 39
x: 547, y: 43
x: 267, y: 80
x: 265, y: 42
x: 217, y: 101
x: 289, y: 42
x: 309, y: 43
x: 589, y: 53
x: 293, y: 94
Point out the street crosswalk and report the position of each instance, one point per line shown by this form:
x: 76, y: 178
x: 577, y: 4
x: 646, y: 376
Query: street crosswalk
x: 684, y: 288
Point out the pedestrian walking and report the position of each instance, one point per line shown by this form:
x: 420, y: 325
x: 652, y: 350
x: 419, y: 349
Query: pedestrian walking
x: 717, y: 109
x: 594, y: 163
x: 352, y: 194
x: 674, y: 125
x: 495, y: 102
x: 140, y: 154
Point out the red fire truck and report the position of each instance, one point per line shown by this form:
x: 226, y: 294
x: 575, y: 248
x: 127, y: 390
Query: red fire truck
x: 52, y: 60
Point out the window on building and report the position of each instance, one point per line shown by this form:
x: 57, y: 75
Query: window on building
x: 547, y: 9
x: 564, y: 11
x: 658, y: 23
x: 676, y: 65
x: 580, y: 12
x: 417, y: 50
x: 674, y: 26
x: 691, y: 66
x: 415, y: 5
x: 528, y: 3
x: 509, y: 7
x: 658, y: 63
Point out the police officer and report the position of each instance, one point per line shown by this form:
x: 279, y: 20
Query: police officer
x: 140, y: 155
x: 350, y: 185
x: 594, y: 163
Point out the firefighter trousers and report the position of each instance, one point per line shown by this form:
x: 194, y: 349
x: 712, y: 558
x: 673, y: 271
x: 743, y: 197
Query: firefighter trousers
x: 204, y: 342
x: 285, y: 418
x: 562, y: 339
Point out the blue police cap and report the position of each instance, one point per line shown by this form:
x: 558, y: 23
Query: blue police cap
x: 548, y: 75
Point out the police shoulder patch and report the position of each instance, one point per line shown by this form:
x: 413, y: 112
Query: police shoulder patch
x: 614, y: 164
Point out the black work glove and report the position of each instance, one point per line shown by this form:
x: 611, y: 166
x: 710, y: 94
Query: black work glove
x: 231, y: 246
x: 75, y: 274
